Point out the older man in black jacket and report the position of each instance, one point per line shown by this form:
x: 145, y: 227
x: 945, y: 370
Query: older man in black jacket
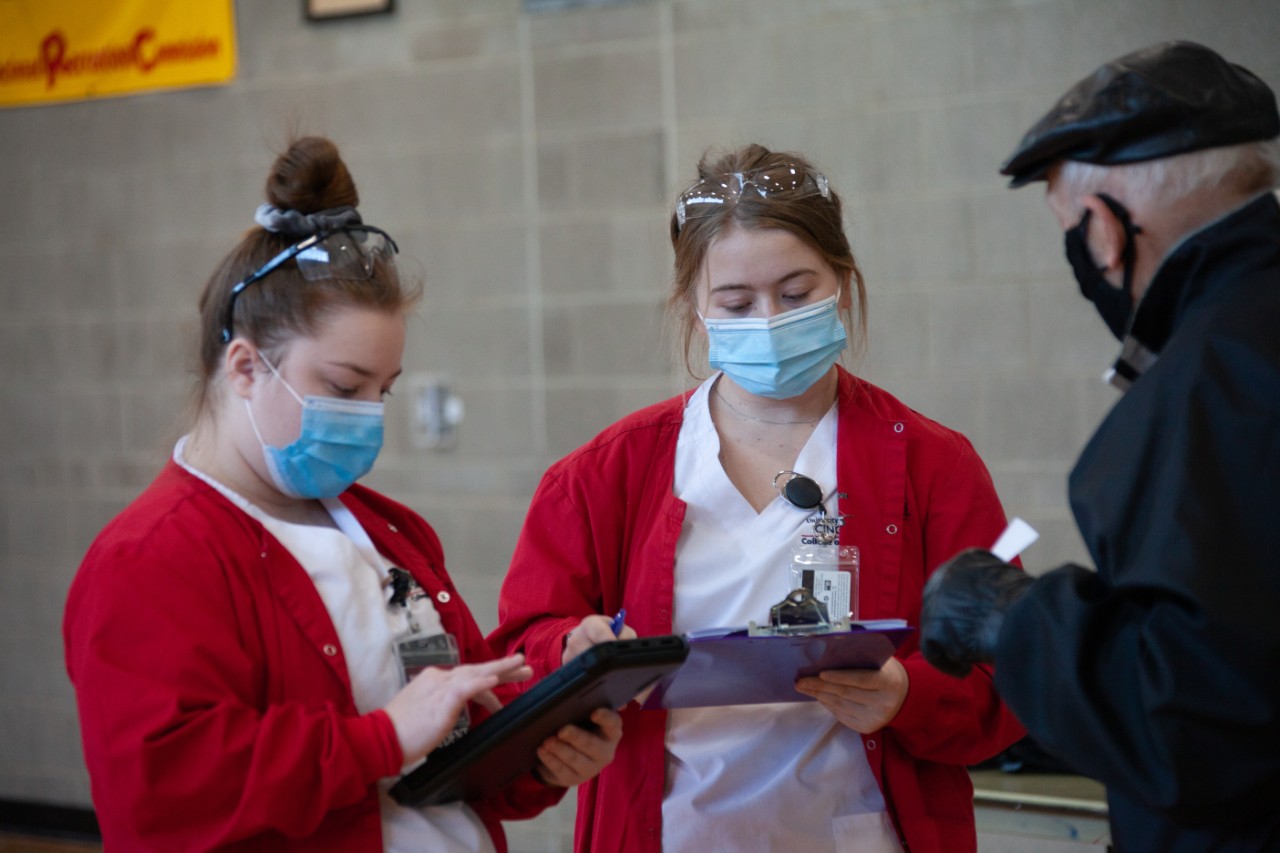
x: 1158, y: 674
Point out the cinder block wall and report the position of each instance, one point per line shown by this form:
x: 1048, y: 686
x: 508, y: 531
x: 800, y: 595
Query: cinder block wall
x: 526, y: 163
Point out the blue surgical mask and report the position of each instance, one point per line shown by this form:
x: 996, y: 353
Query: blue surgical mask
x: 779, y: 356
x: 339, y: 442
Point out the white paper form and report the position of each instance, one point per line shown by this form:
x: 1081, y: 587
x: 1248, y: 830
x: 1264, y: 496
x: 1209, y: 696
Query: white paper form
x: 1014, y: 540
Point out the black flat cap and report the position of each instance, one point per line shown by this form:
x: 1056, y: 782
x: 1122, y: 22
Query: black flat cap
x: 1168, y: 99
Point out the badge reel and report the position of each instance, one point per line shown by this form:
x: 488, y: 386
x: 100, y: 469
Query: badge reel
x: 821, y: 568
x: 417, y: 649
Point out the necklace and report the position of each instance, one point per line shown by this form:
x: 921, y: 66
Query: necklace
x: 745, y: 416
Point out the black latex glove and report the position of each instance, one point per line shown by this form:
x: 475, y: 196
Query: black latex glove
x: 964, y: 606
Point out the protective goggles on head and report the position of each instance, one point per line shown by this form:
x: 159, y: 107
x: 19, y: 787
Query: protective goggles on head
x: 712, y: 194
x: 350, y: 252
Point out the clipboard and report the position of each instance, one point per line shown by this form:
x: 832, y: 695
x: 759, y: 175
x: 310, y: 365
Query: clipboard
x: 496, y: 751
x: 730, y: 667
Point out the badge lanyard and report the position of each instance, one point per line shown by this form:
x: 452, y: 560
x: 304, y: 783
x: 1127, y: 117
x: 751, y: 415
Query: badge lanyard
x: 820, y: 565
x: 418, y: 650
x: 415, y: 650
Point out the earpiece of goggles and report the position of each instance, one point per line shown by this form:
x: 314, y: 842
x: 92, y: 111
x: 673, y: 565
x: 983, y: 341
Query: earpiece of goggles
x: 351, y: 252
x: 711, y: 194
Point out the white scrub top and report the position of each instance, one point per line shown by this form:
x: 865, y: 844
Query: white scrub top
x: 784, y: 776
x: 348, y: 571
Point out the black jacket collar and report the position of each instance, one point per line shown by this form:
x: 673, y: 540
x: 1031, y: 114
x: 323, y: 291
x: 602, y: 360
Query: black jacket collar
x: 1203, y: 267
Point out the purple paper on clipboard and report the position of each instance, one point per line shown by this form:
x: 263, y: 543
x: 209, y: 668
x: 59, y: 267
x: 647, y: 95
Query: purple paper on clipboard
x: 736, y: 669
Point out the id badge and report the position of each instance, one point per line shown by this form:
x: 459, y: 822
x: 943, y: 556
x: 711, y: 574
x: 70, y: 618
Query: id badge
x: 416, y: 652
x: 830, y: 573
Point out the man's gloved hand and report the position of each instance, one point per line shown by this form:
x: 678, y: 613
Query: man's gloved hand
x: 964, y: 606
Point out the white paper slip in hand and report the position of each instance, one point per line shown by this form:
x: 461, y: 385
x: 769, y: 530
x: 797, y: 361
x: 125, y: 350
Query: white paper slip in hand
x: 1014, y: 540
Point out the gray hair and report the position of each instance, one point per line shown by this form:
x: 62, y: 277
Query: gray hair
x: 1253, y: 167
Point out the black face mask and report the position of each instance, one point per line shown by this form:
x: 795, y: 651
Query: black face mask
x: 1114, y: 304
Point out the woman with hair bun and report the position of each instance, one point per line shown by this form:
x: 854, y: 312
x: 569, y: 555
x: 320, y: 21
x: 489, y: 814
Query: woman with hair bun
x: 245, y: 638
x: 679, y: 515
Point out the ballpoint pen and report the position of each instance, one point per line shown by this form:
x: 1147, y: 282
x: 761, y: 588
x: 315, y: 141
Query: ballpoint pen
x: 617, y: 622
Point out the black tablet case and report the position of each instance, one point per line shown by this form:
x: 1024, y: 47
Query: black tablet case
x: 505, y: 745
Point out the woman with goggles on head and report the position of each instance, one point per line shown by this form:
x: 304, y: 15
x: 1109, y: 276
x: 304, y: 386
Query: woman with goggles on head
x: 259, y: 646
x: 678, y: 514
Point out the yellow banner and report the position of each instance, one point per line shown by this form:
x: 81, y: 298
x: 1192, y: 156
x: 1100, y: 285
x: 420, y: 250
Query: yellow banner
x: 61, y: 50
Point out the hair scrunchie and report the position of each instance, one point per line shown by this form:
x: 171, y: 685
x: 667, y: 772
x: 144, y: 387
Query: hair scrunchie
x: 292, y: 223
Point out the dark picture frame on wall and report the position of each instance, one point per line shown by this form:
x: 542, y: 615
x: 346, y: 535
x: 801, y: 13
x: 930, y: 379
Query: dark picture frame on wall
x: 327, y: 10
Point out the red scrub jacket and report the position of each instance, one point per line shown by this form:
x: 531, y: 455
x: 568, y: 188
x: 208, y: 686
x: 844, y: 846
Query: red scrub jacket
x: 601, y: 535
x: 215, y: 705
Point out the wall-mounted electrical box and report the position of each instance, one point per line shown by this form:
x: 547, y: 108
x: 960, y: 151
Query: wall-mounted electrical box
x: 435, y: 411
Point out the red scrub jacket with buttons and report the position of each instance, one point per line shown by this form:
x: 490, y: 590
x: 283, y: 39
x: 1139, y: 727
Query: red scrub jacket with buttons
x: 215, y: 705
x: 601, y: 535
